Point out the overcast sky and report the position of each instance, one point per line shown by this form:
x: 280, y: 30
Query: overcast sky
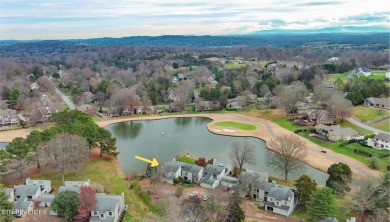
x: 72, y: 19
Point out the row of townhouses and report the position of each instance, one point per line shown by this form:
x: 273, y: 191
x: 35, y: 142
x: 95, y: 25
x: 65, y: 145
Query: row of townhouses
x: 25, y: 197
x: 278, y: 199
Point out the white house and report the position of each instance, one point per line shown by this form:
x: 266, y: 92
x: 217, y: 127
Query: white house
x: 10, y: 194
x: 254, y: 184
x: 212, y: 176
x: 171, y: 170
x: 381, y: 140
x: 78, y: 183
x: 361, y: 71
x: 45, y: 185
x: 108, y: 208
x: 191, y: 173
x: 280, y: 200
x: 24, y: 197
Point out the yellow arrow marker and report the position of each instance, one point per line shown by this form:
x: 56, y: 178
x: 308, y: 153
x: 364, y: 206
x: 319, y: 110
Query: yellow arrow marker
x: 153, y: 162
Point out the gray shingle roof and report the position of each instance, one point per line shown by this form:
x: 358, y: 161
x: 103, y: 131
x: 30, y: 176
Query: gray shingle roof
x: 383, y: 137
x: 379, y: 101
x: 257, y: 180
x: 363, y: 68
x: 105, y: 203
x: 46, y: 197
x: 190, y: 168
x: 344, y: 132
x: 27, y: 190
x: 210, y: 172
x: 280, y: 193
x: 171, y: 167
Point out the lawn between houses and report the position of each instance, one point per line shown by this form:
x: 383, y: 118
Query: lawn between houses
x: 105, y: 173
x: 343, y: 147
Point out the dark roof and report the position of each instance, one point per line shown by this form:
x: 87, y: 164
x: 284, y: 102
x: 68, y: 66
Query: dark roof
x: 27, y: 190
x: 383, y: 137
x: 257, y: 180
x: 213, y: 169
x: 379, y: 101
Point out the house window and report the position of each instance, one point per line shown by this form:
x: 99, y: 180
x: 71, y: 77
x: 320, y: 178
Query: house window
x: 101, y: 215
x: 110, y: 213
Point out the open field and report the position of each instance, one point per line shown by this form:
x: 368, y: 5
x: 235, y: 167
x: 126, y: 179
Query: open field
x: 375, y: 74
x: 236, y: 125
x: 369, y: 114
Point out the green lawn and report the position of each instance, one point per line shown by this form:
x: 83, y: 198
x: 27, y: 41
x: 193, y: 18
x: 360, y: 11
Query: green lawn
x: 342, y: 147
x: 360, y: 130
x: 383, y: 125
x: 369, y: 114
x: 237, y: 125
x: 186, y: 159
x: 285, y: 123
x: 105, y: 172
x: 375, y: 74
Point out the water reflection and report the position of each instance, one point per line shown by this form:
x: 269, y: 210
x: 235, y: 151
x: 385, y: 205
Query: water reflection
x: 183, y: 122
x: 127, y: 129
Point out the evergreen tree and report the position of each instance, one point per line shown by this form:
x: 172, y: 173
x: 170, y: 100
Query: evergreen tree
x: 340, y: 176
x: 322, y: 204
x: 305, y: 187
x: 5, y: 205
x: 234, y: 211
x: 14, y: 96
x: 66, y: 204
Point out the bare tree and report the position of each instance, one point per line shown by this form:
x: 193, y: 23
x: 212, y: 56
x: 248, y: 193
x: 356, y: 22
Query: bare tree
x: 193, y: 210
x: 321, y: 94
x: 125, y: 99
x: 243, y: 153
x: 365, y: 195
x: 289, y: 154
x: 290, y: 95
x: 379, y: 215
x: 339, y: 105
x: 66, y: 152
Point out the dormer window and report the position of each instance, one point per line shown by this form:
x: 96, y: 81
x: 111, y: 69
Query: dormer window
x: 110, y: 213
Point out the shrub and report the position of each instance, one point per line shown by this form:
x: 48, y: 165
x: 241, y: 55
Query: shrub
x: 373, y: 164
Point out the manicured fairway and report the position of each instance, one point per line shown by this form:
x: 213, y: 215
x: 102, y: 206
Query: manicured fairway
x: 237, y: 125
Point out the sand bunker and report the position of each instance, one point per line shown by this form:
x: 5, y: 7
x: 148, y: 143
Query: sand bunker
x: 229, y: 130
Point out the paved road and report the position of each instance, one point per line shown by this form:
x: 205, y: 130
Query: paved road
x: 329, y: 155
x: 364, y: 126
x: 383, y: 119
x: 66, y: 100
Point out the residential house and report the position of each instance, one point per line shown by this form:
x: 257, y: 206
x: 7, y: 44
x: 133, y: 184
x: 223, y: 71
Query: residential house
x: 361, y: 71
x: 228, y: 181
x: 91, y: 110
x: 280, y: 200
x: 324, y: 129
x: 171, y: 171
x: 239, y: 101
x: 88, y: 97
x: 207, y: 106
x: 46, y: 112
x: 10, y: 194
x: 234, y: 105
x: 321, y: 117
x: 380, y: 140
x: 304, y: 108
x: 174, y: 107
x: 8, y: 117
x: 45, y: 200
x: 78, y: 183
x: 45, y: 185
x: 34, y: 86
x: 113, y: 113
x: 24, y: 197
x: 212, y: 176
x: 342, y: 134
x: 333, y: 59
x: 109, y: 208
x: 45, y: 100
x: 192, y: 173
x: 228, y: 167
x: 173, y: 97
x: 377, y: 102
x: 328, y: 85
x: 253, y: 184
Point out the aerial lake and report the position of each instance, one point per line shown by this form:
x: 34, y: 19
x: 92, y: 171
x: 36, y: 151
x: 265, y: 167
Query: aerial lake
x: 166, y: 138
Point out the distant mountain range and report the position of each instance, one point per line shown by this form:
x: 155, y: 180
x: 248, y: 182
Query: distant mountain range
x: 331, y: 30
x: 259, y: 39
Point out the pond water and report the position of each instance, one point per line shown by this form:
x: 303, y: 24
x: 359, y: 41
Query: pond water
x: 166, y: 138
x: 3, y: 145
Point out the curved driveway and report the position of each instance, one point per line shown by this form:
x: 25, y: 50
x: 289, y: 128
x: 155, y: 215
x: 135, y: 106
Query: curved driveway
x: 364, y: 126
x: 66, y: 99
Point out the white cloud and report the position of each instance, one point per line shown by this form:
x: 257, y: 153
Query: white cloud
x: 154, y: 17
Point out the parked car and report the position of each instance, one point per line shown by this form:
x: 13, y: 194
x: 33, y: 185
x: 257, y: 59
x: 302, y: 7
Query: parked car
x: 193, y: 193
x: 205, y: 198
x: 323, y: 151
